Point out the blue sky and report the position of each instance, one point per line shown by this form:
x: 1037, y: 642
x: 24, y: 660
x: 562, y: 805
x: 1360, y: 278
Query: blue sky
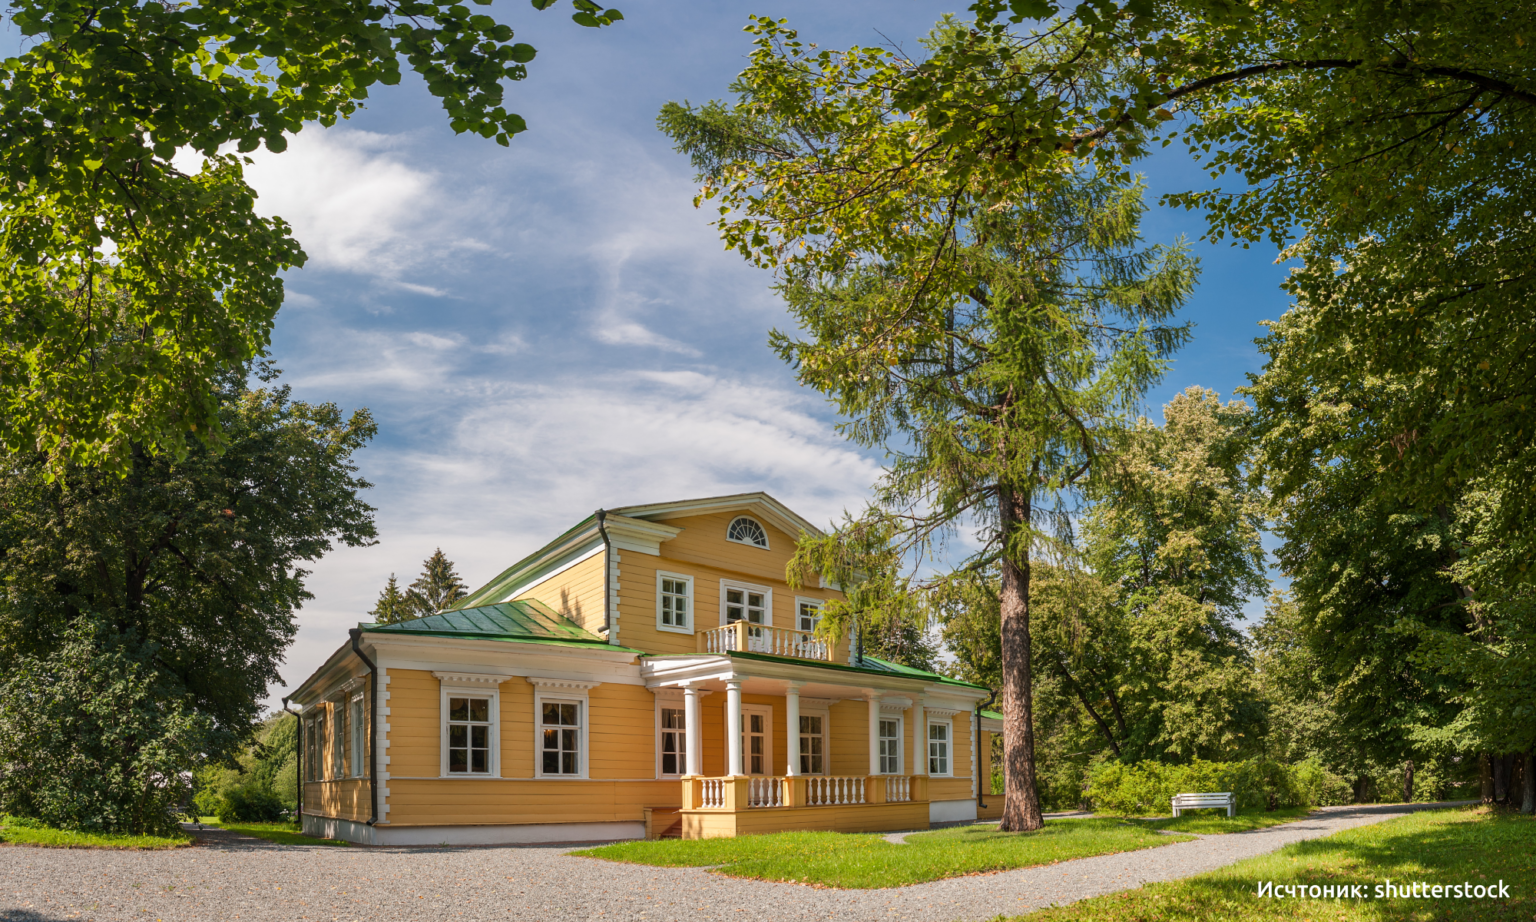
x: 550, y: 328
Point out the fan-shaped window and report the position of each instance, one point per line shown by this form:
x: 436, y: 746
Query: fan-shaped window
x: 747, y: 531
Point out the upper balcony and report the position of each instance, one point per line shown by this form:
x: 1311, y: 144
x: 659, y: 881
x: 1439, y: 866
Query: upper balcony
x: 745, y: 637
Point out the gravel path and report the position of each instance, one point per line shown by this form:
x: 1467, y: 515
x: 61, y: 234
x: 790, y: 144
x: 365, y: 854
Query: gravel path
x: 229, y: 877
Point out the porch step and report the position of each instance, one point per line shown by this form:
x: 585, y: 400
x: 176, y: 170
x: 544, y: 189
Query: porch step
x: 667, y: 822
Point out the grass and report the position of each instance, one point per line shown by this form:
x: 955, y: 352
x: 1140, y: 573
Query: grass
x: 1216, y: 822
x: 1467, y: 845
x: 862, y: 861
x: 17, y: 831
x: 281, y: 833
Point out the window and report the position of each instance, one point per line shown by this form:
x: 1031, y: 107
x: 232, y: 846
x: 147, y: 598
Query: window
x: 316, y: 748
x: 807, y: 614
x: 674, y: 603
x: 674, y: 741
x: 890, y: 747
x: 813, y: 745
x: 938, y: 748
x: 747, y: 531
x: 311, y: 760
x: 359, y: 738
x: 756, y: 739
x: 339, y: 740
x: 561, y: 723
x: 469, y: 735
x: 745, y: 602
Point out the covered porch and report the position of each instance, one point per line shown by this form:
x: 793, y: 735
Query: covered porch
x: 763, y: 743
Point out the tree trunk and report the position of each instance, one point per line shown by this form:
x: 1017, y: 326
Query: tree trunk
x: 1408, y: 782
x: 1528, y: 802
x: 1501, y: 766
x: 1485, y: 775
x: 1021, y: 805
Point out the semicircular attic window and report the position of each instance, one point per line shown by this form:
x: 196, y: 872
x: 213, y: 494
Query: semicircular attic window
x: 747, y: 531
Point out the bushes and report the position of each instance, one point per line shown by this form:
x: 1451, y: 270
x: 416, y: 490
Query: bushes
x: 263, y: 783
x: 91, y: 741
x: 1147, y: 788
x: 250, y: 803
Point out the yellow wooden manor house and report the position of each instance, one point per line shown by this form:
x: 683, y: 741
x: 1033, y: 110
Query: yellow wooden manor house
x: 647, y: 673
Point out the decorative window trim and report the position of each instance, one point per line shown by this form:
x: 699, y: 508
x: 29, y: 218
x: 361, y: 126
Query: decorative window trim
x: 470, y: 685
x: 901, y: 739
x: 767, y: 592
x: 754, y: 521
x: 692, y: 603
x: 825, y: 713
x: 949, y: 745
x: 565, y: 691
x: 806, y: 600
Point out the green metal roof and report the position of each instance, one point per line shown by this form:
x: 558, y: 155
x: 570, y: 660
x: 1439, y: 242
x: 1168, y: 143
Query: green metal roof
x: 992, y: 715
x: 526, y: 620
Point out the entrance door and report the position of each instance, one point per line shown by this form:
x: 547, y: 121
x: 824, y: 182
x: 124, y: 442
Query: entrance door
x: 756, y: 739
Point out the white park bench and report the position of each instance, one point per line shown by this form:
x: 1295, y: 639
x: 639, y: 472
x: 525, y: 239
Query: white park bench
x: 1182, y: 802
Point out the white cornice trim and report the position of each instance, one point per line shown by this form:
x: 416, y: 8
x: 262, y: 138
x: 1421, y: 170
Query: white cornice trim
x: 941, y: 713
x: 638, y: 535
x: 470, y: 678
x: 561, y: 684
x: 895, y: 704
x: 761, y: 504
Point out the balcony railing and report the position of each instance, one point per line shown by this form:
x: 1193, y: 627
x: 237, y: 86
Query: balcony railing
x: 764, y: 791
x: 746, y: 637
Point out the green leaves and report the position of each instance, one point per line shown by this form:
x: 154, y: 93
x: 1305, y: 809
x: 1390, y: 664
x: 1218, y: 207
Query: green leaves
x: 90, y: 117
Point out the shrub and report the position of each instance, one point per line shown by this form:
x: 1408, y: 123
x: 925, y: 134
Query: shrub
x: 1147, y: 788
x: 250, y: 803
x: 90, y: 741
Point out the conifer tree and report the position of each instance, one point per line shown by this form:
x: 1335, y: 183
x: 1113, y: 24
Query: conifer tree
x: 437, y: 588
x: 393, y: 605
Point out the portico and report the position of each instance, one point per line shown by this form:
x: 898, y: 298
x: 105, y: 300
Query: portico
x: 815, y: 745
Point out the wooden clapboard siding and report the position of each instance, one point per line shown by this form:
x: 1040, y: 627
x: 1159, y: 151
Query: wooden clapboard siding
x: 345, y: 799
x: 576, y: 593
x: 963, y: 769
x: 415, y: 726
x: 465, y: 801
x: 850, y: 738
x: 517, y: 729
x: 622, y: 732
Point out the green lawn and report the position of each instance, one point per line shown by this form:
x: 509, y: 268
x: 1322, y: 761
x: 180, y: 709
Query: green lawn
x: 281, y: 833
x: 1215, y: 822
x: 15, y: 831
x: 866, y: 860
x: 1468, y: 845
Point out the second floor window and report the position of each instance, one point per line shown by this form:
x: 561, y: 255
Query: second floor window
x: 744, y: 604
x: 674, y: 602
x: 747, y: 531
x: 808, y: 615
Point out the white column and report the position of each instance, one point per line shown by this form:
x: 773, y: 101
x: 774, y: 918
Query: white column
x: 693, y: 732
x: 733, y: 726
x: 919, y: 739
x: 874, y: 733
x: 792, y: 729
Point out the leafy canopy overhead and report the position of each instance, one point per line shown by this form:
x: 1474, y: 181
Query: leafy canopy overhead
x: 130, y: 284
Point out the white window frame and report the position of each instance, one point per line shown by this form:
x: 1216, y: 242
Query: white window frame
x: 672, y: 701
x: 692, y: 603
x: 949, y: 746
x: 449, y: 688
x: 901, y: 741
x: 754, y: 520
x: 800, y: 600
x: 357, y: 720
x: 826, y: 739
x: 766, y: 711
x: 562, y: 695
x: 341, y: 731
x: 767, y: 592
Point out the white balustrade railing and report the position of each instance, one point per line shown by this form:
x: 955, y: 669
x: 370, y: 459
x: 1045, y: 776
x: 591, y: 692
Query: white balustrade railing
x: 898, y: 789
x: 765, y: 792
x: 761, y: 638
x: 714, y: 793
x: 833, y: 790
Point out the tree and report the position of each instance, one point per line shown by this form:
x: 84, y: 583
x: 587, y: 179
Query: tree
x: 989, y: 347
x: 393, y: 606
x: 437, y: 588
x: 131, y: 285
x: 199, y: 559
